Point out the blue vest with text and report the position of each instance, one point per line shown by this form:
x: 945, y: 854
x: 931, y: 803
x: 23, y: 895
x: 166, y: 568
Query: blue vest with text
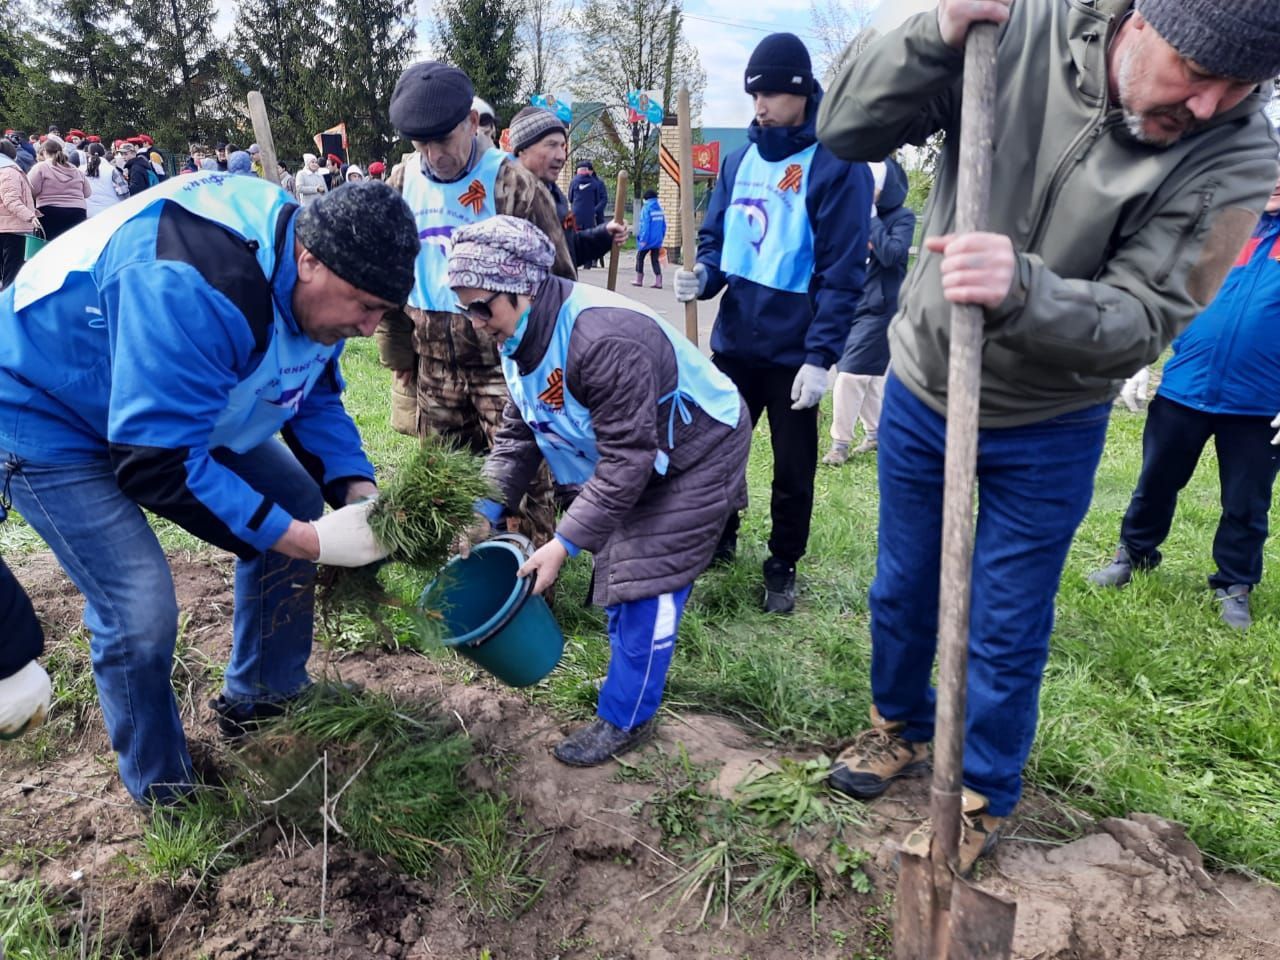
x: 259, y: 405
x: 562, y: 425
x: 439, y: 209
x: 767, y: 235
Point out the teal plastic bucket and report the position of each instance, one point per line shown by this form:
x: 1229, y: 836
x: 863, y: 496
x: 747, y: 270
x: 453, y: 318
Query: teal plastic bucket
x: 491, y: 615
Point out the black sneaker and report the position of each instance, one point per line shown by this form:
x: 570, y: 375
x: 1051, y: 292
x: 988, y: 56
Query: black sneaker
x: 1235, y: 605
x: 779, y: 586
x: 600, y: 740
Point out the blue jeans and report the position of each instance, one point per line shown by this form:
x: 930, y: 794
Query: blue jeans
x: 642, y: 638
x: 104, y: 543
x: 1034, y: 487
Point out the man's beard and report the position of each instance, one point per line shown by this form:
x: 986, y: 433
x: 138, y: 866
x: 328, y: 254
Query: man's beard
x: 1135, y: 120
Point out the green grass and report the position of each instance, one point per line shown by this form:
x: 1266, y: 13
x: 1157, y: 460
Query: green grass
x: 1149, y: 702
x: 34, y: 926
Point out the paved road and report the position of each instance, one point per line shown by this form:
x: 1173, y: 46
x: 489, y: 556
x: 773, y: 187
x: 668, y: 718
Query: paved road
x: 663, y: 301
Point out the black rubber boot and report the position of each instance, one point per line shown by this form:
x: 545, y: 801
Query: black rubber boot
x: 779, y: 586
x: 600, y: 741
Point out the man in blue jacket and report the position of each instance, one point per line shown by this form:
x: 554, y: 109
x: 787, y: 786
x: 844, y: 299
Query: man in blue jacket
x: 150, y: 360
x: 1223, y: 381
x: 785, y: 236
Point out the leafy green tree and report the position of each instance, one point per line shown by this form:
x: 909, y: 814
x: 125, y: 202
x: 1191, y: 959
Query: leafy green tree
x: 367, y: 44
x: 627, y: 45
x: 482, y: 37
x: 275, y: 48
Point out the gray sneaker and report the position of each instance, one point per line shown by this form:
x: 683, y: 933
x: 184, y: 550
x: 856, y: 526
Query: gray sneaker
x: 1115, y: 574
x: 1235, y: 605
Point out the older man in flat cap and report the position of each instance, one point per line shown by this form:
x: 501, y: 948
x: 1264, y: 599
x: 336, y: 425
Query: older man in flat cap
x: 446, y: 377
x: 1132, y: 160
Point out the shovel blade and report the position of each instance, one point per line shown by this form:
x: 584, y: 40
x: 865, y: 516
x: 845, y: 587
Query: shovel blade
x: 914, y: 908
x: 981, y: 926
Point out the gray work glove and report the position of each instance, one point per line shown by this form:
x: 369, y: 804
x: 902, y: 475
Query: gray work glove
x: 689, y: 284
x: 809, y: 386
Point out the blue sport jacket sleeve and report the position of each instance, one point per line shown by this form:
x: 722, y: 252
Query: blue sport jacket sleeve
x: 325, y: 439
x: 839, y: 203
x: 177, y: 345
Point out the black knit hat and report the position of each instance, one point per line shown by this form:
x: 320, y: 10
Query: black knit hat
x: 1239, y: 39
x: 429, y: 100
x: 364, y: 233
x: 532, y: 124
x: 780, y: 64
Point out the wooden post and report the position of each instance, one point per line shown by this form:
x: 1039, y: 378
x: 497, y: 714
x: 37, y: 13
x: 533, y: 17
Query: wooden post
x: 262, y: 134
x: 688, y: 235
x: 619, y: 214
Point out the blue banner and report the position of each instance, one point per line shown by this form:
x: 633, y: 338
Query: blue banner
x: 646, y: 103
x: 548, y: 101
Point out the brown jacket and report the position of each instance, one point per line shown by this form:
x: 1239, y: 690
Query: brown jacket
x: 650, y: 533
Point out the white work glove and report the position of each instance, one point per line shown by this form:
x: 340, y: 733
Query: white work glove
x: 689, y: 284
x: 1134, y: 392
x: 345, y: 537
x: 1275, y: 441
x: 809, y: 386
x: 24, y: 700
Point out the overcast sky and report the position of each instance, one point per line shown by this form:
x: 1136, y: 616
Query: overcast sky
x: 724, y: 31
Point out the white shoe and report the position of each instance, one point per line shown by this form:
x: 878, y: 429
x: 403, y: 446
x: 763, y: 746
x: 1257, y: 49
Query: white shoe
x: 24, y: 700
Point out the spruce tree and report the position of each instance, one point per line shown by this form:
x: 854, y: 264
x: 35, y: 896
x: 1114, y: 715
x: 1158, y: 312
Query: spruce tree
x: 275, y: 47
x: 482, y: 38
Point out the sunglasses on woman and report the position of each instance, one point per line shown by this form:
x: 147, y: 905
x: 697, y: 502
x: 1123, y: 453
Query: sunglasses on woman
x: 479, y: 309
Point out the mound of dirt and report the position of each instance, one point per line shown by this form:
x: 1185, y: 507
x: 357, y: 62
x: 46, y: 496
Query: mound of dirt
x: 1132, y: 889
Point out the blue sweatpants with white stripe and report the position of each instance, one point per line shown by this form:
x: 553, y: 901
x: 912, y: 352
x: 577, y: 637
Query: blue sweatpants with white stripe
x: 642, y: 638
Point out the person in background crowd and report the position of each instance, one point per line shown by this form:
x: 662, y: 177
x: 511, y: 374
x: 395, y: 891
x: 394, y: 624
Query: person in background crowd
x: 136, y: 168
x: 287, y: 182
x: 354, y: 174
x: 1130, y: 159
x: 210, y: 164
x: 255, y: 158
x: 859, y: 387
x: 107, y: 184
x: 310, y: 180
x: 333, y: 171
x: 226, y: 308
x: 18, y: 214
x: 377, y: 170
x: 157, y: 166
x: 60, y: 190
x: 488, y: 120
x: 588, y: 199
x: 651, y: 436
x: 25, y: 156
x: 220, y: 155
x: 1222, y: 382
x: 785, y: 236
x: 240, y: 164
x: 538, y: 143
x: 651, y: 230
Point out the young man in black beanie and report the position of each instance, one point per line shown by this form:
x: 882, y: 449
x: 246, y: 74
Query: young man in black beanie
x: 1132, y: 158
x: 221, y: 309
x: 785, y: 237
x: 447, y: 380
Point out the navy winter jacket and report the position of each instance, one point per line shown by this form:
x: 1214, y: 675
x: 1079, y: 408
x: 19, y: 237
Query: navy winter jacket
x: 589, y: 198
x: 891, y: 232
x: 761, y: 325
x: 1228, y: 359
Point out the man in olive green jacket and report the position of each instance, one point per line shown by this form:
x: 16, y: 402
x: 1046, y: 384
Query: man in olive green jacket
x: 1131, y: 161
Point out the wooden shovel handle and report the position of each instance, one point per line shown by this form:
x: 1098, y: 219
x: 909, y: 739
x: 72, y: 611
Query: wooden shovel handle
x: 977, y: 123
x: 619, y: 211
x: 688, y: 237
